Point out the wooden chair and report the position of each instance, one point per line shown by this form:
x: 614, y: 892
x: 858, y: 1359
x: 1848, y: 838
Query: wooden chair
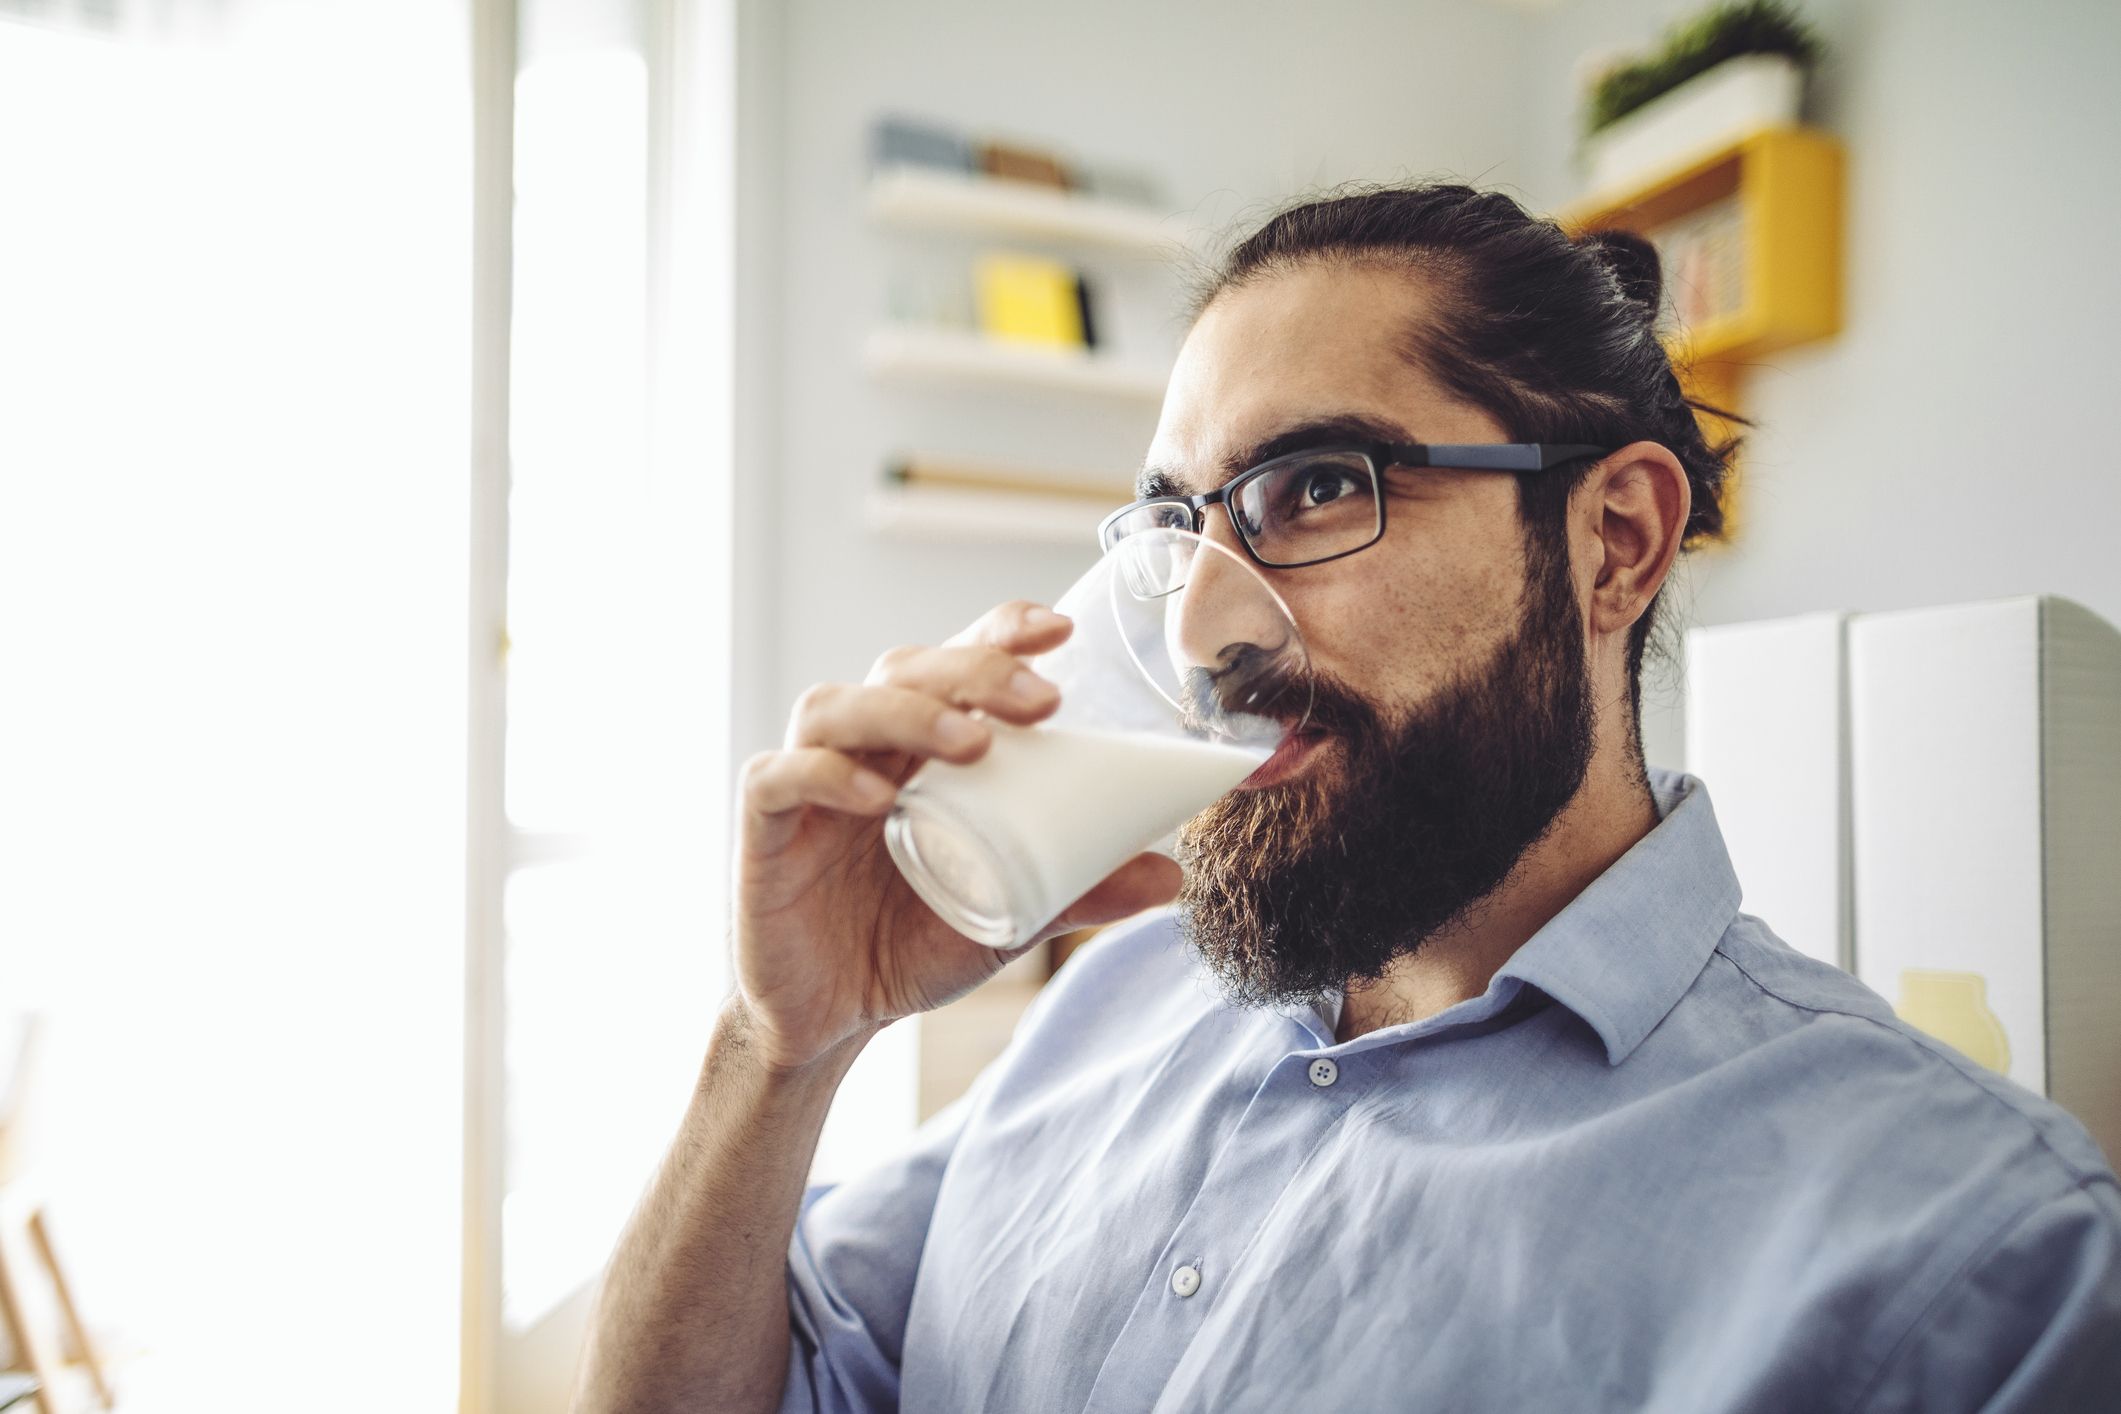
x: 23, y: 1222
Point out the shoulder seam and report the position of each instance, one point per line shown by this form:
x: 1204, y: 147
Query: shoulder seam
x: 1951, y: 1059
x: 1974, y: 1258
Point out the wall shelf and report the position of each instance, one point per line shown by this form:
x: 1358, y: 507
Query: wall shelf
x: 1787, y: 183
x: 960, y: 515
x: 1775, y: 197
x: 932, y: 199
x: 950, y: 356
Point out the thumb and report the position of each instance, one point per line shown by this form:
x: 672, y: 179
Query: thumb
x: 1145, y: 881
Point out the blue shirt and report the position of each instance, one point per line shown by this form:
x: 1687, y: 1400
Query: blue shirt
x: 1664, y: 1162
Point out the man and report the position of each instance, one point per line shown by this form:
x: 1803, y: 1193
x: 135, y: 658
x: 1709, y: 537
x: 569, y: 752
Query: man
x: 1447, y: 1074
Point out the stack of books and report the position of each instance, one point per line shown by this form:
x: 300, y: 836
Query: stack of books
x: 1704, y: 254
x: 898, y: 141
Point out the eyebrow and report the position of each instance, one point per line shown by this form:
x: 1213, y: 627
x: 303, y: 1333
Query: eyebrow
x: 1157, y: 481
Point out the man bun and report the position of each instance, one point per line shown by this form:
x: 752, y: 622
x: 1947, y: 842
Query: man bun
x: 1635, y: 264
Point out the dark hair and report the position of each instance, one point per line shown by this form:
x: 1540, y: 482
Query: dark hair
x: 1553, y: 336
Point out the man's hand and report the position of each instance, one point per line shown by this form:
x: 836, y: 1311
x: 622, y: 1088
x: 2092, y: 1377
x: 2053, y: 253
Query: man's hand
x: 831, y: 945
x: 831, y: 942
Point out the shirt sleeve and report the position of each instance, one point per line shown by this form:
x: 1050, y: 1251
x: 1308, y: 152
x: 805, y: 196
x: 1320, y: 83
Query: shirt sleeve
x: 857, y: 1246
x: 2032, y: 1324
x: 851, y: 1264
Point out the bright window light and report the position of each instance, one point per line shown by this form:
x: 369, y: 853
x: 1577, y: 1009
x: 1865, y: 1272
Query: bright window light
x: 233, y: 520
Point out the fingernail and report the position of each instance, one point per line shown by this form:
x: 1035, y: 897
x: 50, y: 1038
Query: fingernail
x: 956, y: 731
x: 1043, y: 618
x: 1028, y: 687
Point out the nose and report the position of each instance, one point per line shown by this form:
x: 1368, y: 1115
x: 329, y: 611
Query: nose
x: 1226, y: 618
x: 1221, y: 529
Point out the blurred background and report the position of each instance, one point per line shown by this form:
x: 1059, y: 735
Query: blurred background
x: 440, y: 438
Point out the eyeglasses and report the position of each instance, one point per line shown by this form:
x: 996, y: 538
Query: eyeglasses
x: 1325, y: 502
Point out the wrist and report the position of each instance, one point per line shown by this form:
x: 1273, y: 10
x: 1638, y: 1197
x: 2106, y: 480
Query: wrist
x: 759, y: 1047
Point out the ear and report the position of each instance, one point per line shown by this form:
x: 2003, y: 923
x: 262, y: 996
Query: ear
x: 1634, y: 507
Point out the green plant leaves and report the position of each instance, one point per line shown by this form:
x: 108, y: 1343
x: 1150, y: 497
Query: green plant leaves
x: 1696, y: 45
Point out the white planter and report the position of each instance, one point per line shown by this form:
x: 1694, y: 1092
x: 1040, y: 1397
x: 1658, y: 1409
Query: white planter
x: 1708, y: 111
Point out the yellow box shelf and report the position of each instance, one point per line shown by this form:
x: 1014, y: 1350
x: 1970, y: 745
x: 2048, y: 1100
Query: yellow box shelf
x: 1786, y: 184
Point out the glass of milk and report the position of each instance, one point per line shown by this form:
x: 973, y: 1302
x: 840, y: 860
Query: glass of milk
x: 1183, y: 674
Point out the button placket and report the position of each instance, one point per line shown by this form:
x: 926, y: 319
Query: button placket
x: 1165, y: 1317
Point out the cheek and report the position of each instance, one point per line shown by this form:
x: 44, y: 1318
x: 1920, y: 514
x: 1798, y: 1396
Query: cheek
x: 1398, y: 629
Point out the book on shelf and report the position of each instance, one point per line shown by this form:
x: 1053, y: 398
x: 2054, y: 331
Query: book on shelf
x: 901, y: 140
x: 1030, y: 299
x: 1021, y: 164
x: 1704, y: 255
x: 910, y: 142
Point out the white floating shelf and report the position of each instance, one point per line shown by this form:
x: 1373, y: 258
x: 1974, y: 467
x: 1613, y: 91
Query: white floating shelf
x: 909, y: 354
x: 961, y: 515
x: 932, y: 199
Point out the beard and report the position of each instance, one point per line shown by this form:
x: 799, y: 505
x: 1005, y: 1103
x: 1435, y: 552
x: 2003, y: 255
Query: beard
x: 1399, y: 828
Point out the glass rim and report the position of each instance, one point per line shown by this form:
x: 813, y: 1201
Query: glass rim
x: 1297, y: 641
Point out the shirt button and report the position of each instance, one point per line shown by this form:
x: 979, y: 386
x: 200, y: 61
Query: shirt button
x: 1324, y: 1072
x: 1185, y: 1281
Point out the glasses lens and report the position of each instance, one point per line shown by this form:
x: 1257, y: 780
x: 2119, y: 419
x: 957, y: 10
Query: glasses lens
x: 1152, y: 565
x: 1310, y: 507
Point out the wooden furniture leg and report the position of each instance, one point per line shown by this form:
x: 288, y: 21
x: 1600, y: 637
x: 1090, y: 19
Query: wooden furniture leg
x: 29, y: 1346
x: 42, y: 1236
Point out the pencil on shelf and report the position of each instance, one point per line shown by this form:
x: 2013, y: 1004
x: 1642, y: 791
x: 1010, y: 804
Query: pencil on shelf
x: 967, y: 477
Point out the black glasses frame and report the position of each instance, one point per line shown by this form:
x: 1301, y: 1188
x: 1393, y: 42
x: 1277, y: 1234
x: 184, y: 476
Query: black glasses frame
x: 1462, y: 456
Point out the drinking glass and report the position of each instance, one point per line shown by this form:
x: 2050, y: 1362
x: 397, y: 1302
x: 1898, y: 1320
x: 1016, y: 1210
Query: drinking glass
x: 1184, y: 674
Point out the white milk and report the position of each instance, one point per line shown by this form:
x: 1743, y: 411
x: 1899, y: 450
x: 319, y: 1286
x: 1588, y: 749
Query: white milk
x: 1048, y: 812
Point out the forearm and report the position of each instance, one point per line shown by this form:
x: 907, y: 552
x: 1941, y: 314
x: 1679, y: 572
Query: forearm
x: 694, y: 1308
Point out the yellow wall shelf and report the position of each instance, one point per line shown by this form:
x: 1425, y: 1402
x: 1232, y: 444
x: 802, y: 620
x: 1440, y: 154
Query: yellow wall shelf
x: 1779, y: 192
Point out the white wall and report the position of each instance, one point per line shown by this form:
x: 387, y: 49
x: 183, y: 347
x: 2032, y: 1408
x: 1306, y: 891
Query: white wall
x: 1952, y: 443
x: 233, y: 520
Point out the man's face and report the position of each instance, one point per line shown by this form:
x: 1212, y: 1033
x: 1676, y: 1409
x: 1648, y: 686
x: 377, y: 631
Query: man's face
x: 1447, y: 660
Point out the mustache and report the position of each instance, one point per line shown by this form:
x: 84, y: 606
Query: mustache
x: 1262, y: 683
x: 1249, y: 681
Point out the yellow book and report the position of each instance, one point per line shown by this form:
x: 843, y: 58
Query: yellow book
x: 1027, y: 299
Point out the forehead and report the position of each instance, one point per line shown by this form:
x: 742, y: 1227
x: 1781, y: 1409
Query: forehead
x: 1302, y: 346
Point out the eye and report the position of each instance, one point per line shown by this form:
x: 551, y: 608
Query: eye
x: 1319, y: 485
x: 1324, y: 484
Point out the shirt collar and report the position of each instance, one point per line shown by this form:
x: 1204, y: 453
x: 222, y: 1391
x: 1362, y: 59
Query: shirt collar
x: 1626, y: 949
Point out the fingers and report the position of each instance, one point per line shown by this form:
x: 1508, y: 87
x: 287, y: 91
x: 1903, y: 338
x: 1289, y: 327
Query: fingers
x: 989, y: 679
x: 1145, y: 881
x: 846, y: 717
x: 917, y: 703
x: 776, y: 785
x: 1018, y: 626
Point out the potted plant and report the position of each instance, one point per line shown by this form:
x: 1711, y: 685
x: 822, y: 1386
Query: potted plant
x: 1730, y: 70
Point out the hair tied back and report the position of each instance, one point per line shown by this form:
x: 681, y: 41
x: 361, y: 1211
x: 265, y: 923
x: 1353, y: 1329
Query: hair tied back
x: 1635, y: 265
